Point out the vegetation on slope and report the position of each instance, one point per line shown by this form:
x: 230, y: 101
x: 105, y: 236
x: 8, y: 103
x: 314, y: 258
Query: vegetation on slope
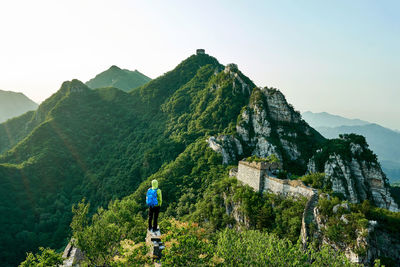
x: 100, y: 144
x: 188, y: 244
x: 80, y: 149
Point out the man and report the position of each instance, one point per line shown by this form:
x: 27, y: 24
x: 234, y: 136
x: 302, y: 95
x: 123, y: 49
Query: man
x: 154, y: 201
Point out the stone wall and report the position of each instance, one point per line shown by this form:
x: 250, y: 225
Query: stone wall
x: 286, y: 187
x: 257, y: 175
x: 251, y: 174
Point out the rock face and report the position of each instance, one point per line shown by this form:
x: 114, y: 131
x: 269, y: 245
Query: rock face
x: 232, y: 208
x: 371, y: 242
x: 227, y: 145
x: 267, y: 125
x: 72, y: 255
x: 383, y: 243
x: 351, y: 251
x: 356, y: 175
x: 262, y: 125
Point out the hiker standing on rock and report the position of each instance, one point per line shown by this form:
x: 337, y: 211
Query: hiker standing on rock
x: 154, y: 201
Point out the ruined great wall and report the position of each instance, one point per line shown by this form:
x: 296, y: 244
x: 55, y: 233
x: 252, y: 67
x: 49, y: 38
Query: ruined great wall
x: 261, y: 177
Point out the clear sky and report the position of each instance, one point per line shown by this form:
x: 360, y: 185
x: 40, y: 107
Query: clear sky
x: 341, y: 57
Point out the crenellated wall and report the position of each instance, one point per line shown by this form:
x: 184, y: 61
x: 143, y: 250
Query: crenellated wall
x: 258, y: 175
x: 287, y: 187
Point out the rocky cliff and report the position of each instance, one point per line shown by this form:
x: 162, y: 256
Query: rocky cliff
x: 361, y: 239
x: 268, y: 125
x: 353, y: 171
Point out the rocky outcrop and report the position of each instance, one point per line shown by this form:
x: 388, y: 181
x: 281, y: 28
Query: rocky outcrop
x: 238, y: 84
x: 279, y: 109
x: 371, y: 242
x: 354, y: 175
x: 227, y: 145
x: 356, y: 251
x: 232, y: 208
x: 72, y: 256
x: 153, y: 241
x: 383, y: 244
x: 268, y: 125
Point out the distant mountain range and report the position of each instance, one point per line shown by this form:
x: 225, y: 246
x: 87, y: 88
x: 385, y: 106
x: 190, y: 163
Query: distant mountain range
x: 119, y: 78
x: 324, y: 119
x: 13, y: 104
x: 383, y: 141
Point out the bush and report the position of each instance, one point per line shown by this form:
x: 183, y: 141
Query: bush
x: 315, y: 180
x: 254, y: 248
x: 46, y: 257
x: 186, y: 244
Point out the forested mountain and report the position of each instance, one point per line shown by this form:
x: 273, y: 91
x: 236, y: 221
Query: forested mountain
x: 119, y: 78
x: 186, y: 129
x: 14, y: 104
x: 98, y: 144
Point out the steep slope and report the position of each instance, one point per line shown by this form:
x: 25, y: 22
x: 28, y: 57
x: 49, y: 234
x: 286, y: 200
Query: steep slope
x: 119, y: 78
x: 14, y: 104
x: 269, y: 125
x: 324, y: 119
x: 16, y: 129
x: 97, y: 144
x: 383, y: 141
x: 80, y: 149
x: 353, y: 171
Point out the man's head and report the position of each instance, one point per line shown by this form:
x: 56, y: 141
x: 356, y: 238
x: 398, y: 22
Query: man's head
x: 154, y: 184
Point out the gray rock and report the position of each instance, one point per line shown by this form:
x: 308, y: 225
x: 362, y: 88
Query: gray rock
x: 343, y: 205
x: 357, y: 180
x: 227, y: 145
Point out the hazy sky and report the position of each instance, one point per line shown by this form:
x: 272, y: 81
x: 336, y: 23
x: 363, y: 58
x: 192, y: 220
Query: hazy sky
x: 337, y: 56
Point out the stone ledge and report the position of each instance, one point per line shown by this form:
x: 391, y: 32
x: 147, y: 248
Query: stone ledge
x: 154, y: 243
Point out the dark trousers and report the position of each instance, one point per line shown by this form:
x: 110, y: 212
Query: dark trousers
x: 153, y: 216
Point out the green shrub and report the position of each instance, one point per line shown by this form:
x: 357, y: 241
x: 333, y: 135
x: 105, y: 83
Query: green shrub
x: 46, y: 257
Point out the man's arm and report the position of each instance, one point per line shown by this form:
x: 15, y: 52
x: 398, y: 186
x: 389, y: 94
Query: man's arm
x: 159, y: 196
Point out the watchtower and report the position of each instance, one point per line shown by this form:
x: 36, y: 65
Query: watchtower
x: 200, y: 51
x: 252, y: 173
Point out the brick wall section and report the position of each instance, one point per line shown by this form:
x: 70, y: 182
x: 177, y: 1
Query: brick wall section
x: 251, y: 173
x: 286, y: 187
x: 256, y: 175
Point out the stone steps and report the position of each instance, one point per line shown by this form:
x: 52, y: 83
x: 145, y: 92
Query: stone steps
x: 153, y: 241
x: 308, y: 218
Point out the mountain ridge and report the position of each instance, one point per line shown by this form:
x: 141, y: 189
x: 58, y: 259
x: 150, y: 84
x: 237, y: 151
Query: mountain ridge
x: 119, y: 78
x: 325, y: 119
